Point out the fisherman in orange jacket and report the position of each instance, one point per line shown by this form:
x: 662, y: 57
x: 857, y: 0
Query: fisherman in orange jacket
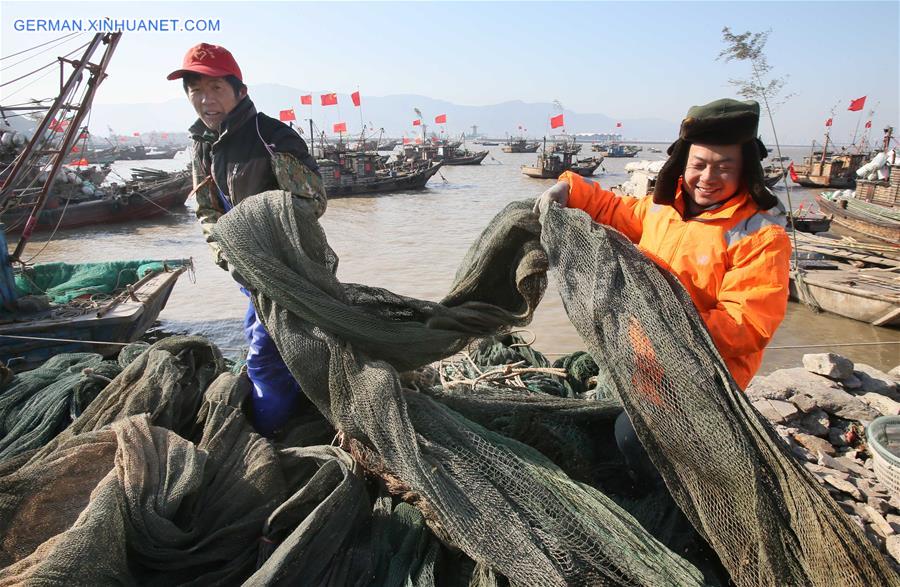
x: 713, y: 223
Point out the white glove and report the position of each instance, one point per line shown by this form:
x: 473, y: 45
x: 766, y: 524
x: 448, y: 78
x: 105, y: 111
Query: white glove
x: 559, y: 193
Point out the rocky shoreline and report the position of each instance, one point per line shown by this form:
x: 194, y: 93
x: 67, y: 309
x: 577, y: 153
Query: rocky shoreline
x: 822, y: 410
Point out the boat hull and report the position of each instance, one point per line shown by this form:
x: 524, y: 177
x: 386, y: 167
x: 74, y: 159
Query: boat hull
x: 473, y: 160
x: 109, y: 210
x: 885, y: 231
x: 844, y: 293
x: 125, y: 322
x: 414, y: 181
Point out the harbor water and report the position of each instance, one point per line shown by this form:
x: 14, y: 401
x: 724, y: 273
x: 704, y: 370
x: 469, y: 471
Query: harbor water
x: 412, y: 243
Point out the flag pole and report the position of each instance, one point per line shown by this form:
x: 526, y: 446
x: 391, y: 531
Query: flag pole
x: 362, y: 126
x: 856, y: 130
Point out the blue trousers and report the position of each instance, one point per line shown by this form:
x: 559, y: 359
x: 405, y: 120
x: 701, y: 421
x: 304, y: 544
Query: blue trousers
x: 275, y: 391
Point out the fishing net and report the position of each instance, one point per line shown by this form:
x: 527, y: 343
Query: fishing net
x: 63, y: 282
x: 459, y: 473
x: 766, y: 517
x: 37, y: 405
x: 500, y: 501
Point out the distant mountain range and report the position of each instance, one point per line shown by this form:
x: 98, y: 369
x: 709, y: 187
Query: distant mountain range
x: 393, y: 113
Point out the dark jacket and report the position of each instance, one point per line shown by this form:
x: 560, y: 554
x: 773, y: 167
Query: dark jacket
x: 252, y: 153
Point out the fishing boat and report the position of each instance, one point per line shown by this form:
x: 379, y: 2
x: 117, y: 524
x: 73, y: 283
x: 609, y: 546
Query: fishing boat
x: 879, y: 222
x: 811, y: 222
x: 50, y: 308
x: 773, y: 174
x: 102, y: 323
x: 618, y: 150
x: 148, y: 197
x: 355, y: 173
x: 849, y: 278
x: 552, y: 163
x: 867, y: 295
x: 448, y: 153
x: 520, y: 145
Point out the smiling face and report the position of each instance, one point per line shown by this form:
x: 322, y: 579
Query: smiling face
x: 213, y: 98
x: 712, y: 173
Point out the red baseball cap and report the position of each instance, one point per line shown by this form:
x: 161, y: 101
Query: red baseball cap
x: 206, y: 59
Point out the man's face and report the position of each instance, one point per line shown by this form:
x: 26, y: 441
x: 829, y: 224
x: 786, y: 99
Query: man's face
x: 712, y: 173
x: 213, y: 98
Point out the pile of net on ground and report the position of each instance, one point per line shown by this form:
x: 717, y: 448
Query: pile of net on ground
x: 509, y: 477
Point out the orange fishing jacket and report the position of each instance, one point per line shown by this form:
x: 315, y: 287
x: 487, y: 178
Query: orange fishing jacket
x: 733, y: 261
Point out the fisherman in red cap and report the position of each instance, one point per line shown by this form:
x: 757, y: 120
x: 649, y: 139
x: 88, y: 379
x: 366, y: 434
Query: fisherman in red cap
x: 237, y: 153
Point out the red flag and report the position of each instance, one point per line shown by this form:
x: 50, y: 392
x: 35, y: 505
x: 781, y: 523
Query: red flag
x: 135, y: 134
x: 75, y: 149
x: 869, y: 124
x: 828, y: 122
x: 79, y: 163
x: 418, y: 141
x: 355, y: 97
x: 306, y: 100
x: 340, y: 127
x: 557, y: 121
x: 329, y: 99
x: 440, y: 119
x: 58, y: 125
x: 83, y: 136
x: 618, y: 125
x: 857, y: 104
x: 792, y: 172
x: 417, y: 122
x: 406, y: 141
x: 164, y: 135
x: 287, y: 115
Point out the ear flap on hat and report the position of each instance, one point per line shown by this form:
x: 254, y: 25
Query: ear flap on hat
x: 667, y: 179
x: 755, y: 176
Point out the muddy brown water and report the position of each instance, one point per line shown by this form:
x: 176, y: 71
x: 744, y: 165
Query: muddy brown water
x: 411, y: 243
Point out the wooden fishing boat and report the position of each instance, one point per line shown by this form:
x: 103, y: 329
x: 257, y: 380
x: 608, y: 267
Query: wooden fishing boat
x: 773, y: 174
x: 27, y: 339
x: 551, y: 165
x: 465, y: 157
x: 518, y: 145
x: 811, y: 222
x: 135, y: 200
x: 353, y: 173
x: 621, y: 151
x: 867, y: 295
x: 879, y: 222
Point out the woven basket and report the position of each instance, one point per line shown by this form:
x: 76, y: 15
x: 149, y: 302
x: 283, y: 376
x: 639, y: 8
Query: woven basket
x: 883, y: 436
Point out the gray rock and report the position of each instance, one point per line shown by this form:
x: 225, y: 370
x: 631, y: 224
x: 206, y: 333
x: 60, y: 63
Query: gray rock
x: 876, y: 381
x: 892, y: 544
x: 776, y: 411
x: 852, y: 383
x: 836, y: 436
x: 879, y: 523
x: 821, y: 470
x: 814, y: 444
x: 829, y: 462
x: 885, y: 405
x: 895, y: 373
x: 852, y: 466
x: 830, y: 365
x: 815, y: 422
x: 844, y: 486
x: 881, y: 506
x: 760, y: 388
x: 809, y: 392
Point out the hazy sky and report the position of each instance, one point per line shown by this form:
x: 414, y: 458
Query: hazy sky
x: 623, y: 59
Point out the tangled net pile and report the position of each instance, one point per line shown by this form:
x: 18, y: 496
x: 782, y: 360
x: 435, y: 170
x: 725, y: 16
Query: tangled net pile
x: 458, y: 475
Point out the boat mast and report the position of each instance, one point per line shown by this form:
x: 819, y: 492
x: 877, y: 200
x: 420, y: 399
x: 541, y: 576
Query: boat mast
x: 32, y: 153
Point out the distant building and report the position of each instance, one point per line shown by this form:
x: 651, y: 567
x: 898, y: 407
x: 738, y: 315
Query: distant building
x: 599, y: 137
